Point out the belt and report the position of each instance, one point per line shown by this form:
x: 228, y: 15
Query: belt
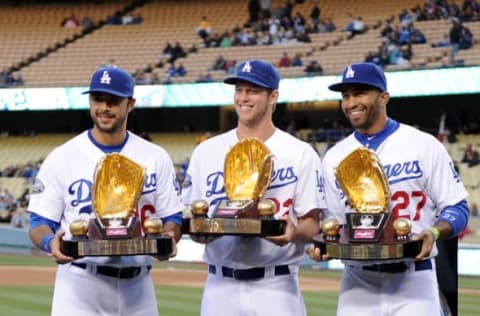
x: 121, y: 273
x: 399, y: 267
x: 248, y: 274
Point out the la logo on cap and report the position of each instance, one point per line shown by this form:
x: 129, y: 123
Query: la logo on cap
x: 350, y: 73
x: 247, y: 67
x: 106, y: 79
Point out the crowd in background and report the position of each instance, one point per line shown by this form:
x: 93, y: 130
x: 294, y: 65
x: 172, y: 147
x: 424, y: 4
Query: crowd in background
x: 396, y: 48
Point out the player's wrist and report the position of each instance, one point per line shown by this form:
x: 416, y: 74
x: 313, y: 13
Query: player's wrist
x: 45, y: 243
x: 435, y: 232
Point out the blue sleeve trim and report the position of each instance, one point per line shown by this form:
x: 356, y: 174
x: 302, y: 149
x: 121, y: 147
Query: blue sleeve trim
x: 176, y: 218
x: 457, y: 216
x: 46, y: 243
x: 37, y: 220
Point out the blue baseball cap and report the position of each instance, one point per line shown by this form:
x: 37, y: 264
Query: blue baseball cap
x: 362, y: 73
x: 112, y: 80
x: 256, y: 71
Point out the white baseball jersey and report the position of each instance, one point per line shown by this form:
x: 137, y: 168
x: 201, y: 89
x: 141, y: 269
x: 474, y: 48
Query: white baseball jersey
x: 295, y: 189
x: 62, y: 193
x: 422, y: 179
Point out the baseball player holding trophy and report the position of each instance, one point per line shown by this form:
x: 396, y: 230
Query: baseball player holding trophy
x: 97, y: 207
x: 384, y: 184
x: 254, y: 272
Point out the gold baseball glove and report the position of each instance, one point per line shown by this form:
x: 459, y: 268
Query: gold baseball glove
x: 248, y: 170
x: 117, y: 186
x: 363, y: 180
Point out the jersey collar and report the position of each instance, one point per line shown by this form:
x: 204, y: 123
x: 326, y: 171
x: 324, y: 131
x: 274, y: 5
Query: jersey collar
x: 375, y: 140
x: 108, y: 149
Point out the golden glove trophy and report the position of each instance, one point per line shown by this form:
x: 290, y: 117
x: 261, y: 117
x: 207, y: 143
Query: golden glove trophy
x: 371, y: 232
x: 247, y: 173
x: 117, y: 186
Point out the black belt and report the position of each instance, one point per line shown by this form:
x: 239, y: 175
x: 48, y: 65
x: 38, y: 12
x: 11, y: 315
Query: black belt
x: 248, y: 274
x: 399, y: 267
x: 121, y: 273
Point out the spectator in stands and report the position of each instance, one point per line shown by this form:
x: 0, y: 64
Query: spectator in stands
x: 167, y: 50
x: 314, y: 68
x: 17, y: 78
x: 326, y: 26
x: 25, y: 196
x: 204, y: 28
x: 418, y: 37
x: 444, y: 42
x: 114, y: 19
x: 466, y: 40
x: 184, y: 166
x: 315, y: 14
x: 404, y: 36
x: 231, y: 66
x: 177, y: 52
x: 6, y: 204
x: 284, y: 61
x: 297, y: 60
x: 87, y: 24
x: 265, y: 8
x: 137, y: 18
x: 219, y: 63
x: 70, y: 21
x: 253, y: 10
x: 176, y: 71
x: 387, y: 30
x: 226, y: 40
x: 455, y: 38
x: 470, y: 156
x: 474, y: 210
x: 356, y: 26
x: 395, y: 56
x: 205, y: 78
x: 20, y: 217
x: 299, y: 23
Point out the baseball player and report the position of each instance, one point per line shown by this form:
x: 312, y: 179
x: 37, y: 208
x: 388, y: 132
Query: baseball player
x: 422, y: 179
x: 252, y: 275
x: 61, y: 193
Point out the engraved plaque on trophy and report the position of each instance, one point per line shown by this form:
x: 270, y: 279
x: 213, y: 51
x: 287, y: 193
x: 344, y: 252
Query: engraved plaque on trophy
x: 370, y: 232
x: 115, y: 230
x: 247, y: 174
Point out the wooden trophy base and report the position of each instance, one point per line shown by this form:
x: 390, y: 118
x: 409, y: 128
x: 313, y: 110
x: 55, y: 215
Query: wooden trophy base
x: 388, y: 247
x: 130, y: 243
x: 234, y: 226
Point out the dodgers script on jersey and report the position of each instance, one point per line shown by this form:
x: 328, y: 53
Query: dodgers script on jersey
x: 412, y: 160
x: 68, y: 172
x: 295, y: 189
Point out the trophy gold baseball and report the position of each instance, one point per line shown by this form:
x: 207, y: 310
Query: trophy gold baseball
x: 247, y: 174
x: 370, y: 232
x: 115, y: 230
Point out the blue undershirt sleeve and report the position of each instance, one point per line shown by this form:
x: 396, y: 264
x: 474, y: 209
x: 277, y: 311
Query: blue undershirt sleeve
x: 37, y: 220
x: 457, y: 216
x: 176, y: 218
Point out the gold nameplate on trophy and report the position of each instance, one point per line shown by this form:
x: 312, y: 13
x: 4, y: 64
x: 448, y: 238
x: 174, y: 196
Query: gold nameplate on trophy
x: 115, y: 230
x: 370, y: 232
x: 247, y: 174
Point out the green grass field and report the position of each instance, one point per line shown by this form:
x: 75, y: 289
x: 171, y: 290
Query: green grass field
x: 182, y: 301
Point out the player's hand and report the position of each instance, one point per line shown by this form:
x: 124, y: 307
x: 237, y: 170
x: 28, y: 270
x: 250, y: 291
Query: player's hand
x: 427, y: 245
x: 56, y: 253
x: 315, y: 254
x: 203, y: 238
x: 290, y: 231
